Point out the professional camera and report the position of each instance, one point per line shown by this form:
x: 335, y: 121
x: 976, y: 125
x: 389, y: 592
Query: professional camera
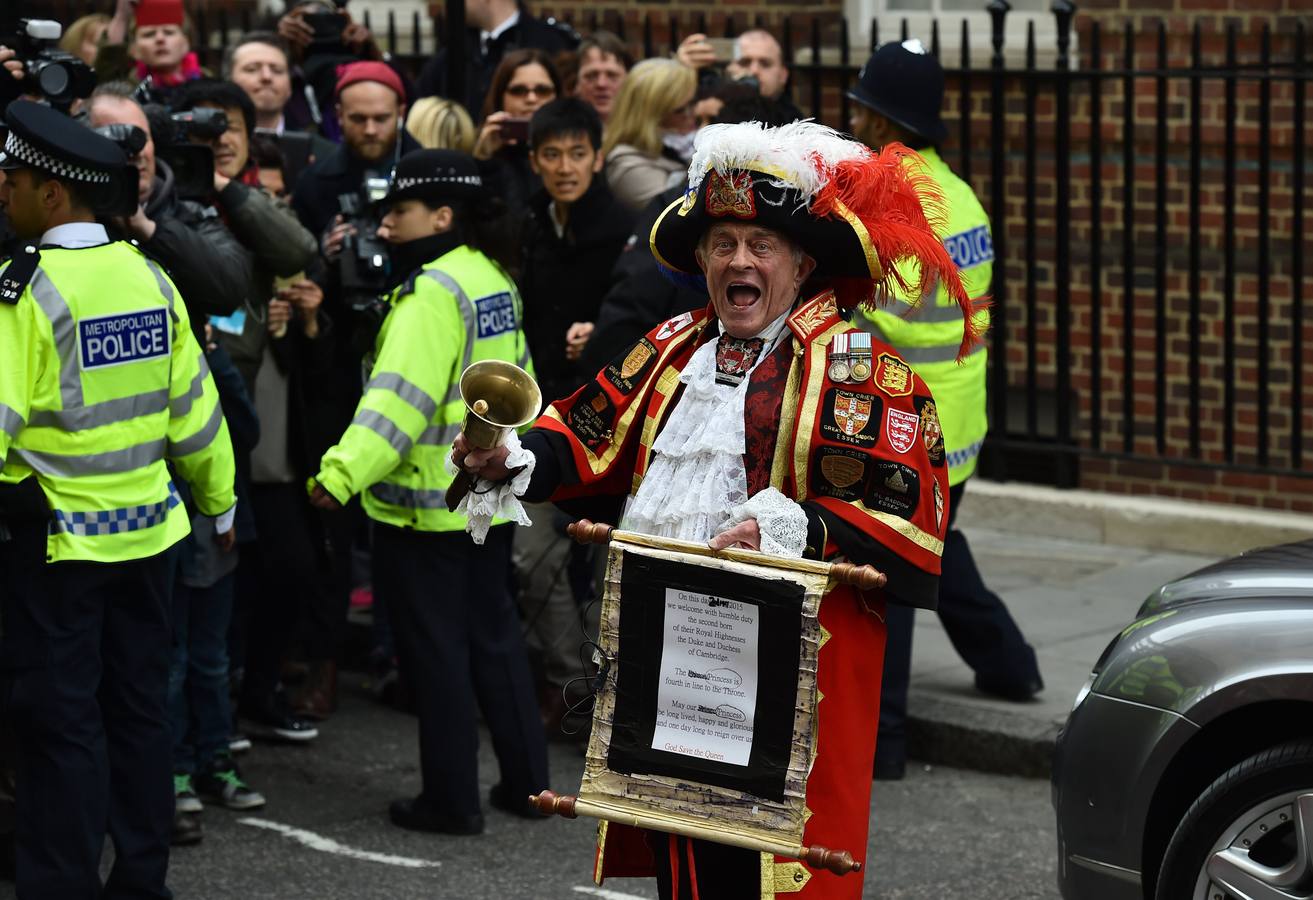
x: 363, y: 263
x: 57, y: 76
x: 175, y: 135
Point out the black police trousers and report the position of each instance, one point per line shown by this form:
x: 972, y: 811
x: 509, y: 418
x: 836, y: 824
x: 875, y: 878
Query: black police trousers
x: 458, y: 641
x: 978, y: 624
x: 84, y: 669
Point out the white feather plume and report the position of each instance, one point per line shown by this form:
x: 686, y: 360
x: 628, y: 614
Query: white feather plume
x: 804, y: 151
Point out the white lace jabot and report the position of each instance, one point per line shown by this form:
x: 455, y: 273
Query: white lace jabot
x: 696, y: 485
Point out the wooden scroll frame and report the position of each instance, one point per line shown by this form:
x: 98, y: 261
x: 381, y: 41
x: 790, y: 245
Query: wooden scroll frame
x: 687, y: 808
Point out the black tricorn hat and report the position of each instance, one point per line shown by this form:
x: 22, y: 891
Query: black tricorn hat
x: 47, y: 140
x: 858, y: 213
x: 442, y: 176
x: 905, y: 84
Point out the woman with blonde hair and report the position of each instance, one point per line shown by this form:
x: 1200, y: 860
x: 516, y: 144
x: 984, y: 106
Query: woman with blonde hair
x: 82, y: 38
x: 647, y: 141
x: 440, y: 124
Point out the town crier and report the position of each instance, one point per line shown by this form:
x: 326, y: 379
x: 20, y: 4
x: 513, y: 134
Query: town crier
x: 766, y: 421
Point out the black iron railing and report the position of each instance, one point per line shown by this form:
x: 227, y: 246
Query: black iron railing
x: 1099, y: 171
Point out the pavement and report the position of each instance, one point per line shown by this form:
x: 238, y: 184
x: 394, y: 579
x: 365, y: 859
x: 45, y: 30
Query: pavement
x: 1073, y: 567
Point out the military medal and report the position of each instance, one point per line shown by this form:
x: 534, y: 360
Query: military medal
x: 859, y: 349
x: 839, y: 369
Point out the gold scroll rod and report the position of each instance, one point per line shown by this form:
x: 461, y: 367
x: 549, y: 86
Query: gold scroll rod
x: 866, y: 578
x: 840, y: 862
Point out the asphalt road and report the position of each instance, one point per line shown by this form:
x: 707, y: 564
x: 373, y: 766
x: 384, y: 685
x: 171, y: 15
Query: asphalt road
x: 942, y: 833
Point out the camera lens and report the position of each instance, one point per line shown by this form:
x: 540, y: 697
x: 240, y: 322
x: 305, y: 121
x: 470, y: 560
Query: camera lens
x: 53, y: 79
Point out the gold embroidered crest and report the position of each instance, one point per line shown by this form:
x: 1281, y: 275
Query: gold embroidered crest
x: 893, y: 376
x: 731, y: 196
x: 636, y: 359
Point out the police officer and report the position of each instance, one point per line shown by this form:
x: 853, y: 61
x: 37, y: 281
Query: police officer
x: 457, y: 632
x: 101, y: 382
x: 898, y: 94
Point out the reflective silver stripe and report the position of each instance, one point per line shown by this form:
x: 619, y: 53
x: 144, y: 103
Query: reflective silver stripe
x: 201, y: 439
x: 468, y: 313
x: 385, y: 428
x: 181, y: 405
x: 926, y: 310
x: 165, y: 288
x: 411, y: 393
x: 410, y: 498
x: 63, y: 327
x: 108, y: 412
x: 10, y: 421
x: 914, y: 355
x: 112, y: 462
x: 439, y: 435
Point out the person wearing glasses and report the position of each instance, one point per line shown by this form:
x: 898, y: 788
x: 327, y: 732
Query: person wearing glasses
x: 649, y: 137
x: 525, y: 80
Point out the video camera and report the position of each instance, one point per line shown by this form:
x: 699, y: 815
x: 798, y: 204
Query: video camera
x: 192, y: 163
x: 49, y: 72
x: 363, y: 262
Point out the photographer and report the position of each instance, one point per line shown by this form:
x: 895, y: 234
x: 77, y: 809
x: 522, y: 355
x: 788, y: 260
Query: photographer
x: 280, y: 345
x: 213, y: 271
x: 371, y: 105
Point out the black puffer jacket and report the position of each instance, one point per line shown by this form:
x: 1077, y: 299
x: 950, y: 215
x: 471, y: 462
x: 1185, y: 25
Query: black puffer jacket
x: 566, y: 277
x: 639, y: 297
x: 207, y: 263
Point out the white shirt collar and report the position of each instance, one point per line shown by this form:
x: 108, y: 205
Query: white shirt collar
x: 770, y: 334
x: 556, y: 222
x: 76, y: 235
x: 486, y: 37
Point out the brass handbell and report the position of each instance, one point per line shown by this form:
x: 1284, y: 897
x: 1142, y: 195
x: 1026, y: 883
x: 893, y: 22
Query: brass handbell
x: 499, y: 397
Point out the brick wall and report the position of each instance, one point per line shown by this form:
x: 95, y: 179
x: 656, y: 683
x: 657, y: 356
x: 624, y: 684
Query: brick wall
x: 1032, y: 242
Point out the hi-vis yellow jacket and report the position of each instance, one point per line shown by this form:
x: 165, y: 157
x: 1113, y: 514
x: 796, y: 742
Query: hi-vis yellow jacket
x: 101, y: 381
x: 928, y: 335
x: 458, y: 309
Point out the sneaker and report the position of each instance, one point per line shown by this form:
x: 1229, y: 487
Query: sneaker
x: 184, y: 796
x: 224, y: 785
x: 238, y: 743
x: 272, y: 720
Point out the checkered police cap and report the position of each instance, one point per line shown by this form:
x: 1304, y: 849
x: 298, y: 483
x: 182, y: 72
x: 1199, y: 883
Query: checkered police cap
x: 43, y: 138
x: 438, y: 175
x: 470, y: 180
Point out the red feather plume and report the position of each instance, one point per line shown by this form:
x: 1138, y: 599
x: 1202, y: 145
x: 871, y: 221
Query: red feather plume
x: 899, y: 206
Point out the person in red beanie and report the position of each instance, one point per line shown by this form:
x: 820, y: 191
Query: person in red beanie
x: 159, y: 49
x: 370, y: 104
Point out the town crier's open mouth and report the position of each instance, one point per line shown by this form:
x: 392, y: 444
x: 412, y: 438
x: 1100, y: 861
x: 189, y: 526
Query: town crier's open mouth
x: 741, y: 295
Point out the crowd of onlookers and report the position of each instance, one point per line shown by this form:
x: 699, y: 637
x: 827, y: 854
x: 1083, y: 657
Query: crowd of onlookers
x: 270, y: 241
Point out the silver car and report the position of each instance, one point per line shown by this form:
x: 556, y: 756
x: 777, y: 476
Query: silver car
x: 1185, y: 771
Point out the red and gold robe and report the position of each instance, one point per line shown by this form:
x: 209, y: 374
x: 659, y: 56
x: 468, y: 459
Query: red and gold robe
x: 866, y: 463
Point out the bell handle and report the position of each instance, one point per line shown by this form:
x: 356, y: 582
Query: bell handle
x: 460, y: 486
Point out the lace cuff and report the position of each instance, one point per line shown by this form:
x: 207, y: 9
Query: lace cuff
x: 487, y: 500
x: 781, y: 521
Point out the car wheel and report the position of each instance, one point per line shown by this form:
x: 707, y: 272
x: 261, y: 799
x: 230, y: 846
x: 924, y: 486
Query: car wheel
x: 1249, y: 836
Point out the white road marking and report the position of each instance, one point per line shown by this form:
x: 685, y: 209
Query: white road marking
x: 328, y: 845
x: 607, y: 895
